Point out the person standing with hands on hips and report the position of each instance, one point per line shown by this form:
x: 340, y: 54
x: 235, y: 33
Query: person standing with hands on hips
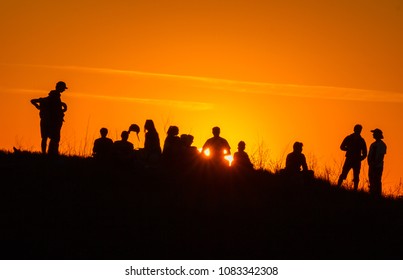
x: 356, y: 151
x: 51, y: 111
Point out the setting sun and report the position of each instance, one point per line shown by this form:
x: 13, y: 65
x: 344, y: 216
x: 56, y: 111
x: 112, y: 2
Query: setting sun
x: 230, y: 158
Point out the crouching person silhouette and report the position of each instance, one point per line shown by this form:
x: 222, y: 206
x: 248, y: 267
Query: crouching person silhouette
x: 123, y: 149
x: 296, y: 161
x: 172, y: 148
x: 241, y: 160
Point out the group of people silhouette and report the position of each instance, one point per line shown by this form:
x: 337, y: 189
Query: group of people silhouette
x: 356, y: 151
x: 178, y: 150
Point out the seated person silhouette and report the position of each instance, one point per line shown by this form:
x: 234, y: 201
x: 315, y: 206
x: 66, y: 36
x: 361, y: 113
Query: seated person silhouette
x: 172, y: 146
x: 189, y: 154
x: 295, y: 161
x: 123, y: 149
x: 103, y: 146
x: 218, y: 148
x: 152, y: 148
x: 241, y: 159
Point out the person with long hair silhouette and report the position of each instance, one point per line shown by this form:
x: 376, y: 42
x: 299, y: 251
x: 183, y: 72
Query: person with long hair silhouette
x: 217, y: 147
x: 152, y: 147
x: 51, y: 112
x: 356, y: 151
x: 172, y: 146
x: 376, y: 154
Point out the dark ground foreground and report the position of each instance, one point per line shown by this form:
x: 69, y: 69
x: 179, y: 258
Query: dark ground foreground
x: 70, y: 208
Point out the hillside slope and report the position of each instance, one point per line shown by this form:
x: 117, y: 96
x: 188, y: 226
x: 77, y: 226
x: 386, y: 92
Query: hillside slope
x: 73, y: 208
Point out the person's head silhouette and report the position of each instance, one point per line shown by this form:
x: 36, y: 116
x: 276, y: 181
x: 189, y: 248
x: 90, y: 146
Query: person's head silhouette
x: 357, y: 129
x: 377, y: 134
x: 104, y: 132
x: 241, y: 146
x: 216, y: 131
x: 124, y: 135
x: 149, y: 125
x: 173, y: 130
x: 297, y: 147
x: 61, y: 86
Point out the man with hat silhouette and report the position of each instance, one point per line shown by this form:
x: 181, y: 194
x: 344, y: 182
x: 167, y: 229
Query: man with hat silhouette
x: 51, y: 111
x: 377, y: 152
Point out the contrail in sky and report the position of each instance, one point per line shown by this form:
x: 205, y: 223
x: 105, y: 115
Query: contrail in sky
x: 290, y: 90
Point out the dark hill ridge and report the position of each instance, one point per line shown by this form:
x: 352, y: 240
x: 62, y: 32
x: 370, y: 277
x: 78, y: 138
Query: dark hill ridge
x: 72, y: 208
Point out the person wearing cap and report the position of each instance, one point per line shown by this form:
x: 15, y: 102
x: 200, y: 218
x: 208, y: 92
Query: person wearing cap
x: 51, y: 112
x: 376, y: 154
x: 356, y: 151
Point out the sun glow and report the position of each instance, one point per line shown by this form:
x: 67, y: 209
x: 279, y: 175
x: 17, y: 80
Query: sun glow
x: 263, y: 88
x: 230, y: 159
x: 206, y: 152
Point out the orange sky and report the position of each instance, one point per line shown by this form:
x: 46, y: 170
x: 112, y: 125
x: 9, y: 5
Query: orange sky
x: 264, y: 71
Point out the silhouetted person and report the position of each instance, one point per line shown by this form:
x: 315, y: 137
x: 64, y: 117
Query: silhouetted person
x: 376, y: 154
x: 135, y: 128
x: 103, y: 146
x: 241, y: 159
x: 296, y: 166
x: 152, y: 147
x: 296, y: 160
x: 123, y: 149
x: 356, y: 151
x: 51, y: 111
x: 172, y: 146
x: 218, y: 148
x: 189, y: 154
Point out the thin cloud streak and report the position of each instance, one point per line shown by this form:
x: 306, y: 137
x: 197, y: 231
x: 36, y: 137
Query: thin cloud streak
x: 182, y: 104
x: 287, y: 90
x: 189, y: 105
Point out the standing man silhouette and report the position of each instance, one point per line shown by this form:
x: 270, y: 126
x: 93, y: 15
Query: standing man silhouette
x: 356, y: 151
x: 377, y: 152
x: 51, y: 111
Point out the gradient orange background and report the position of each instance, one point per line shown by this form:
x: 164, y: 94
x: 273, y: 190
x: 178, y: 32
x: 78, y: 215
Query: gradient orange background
x: 267, y: 72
